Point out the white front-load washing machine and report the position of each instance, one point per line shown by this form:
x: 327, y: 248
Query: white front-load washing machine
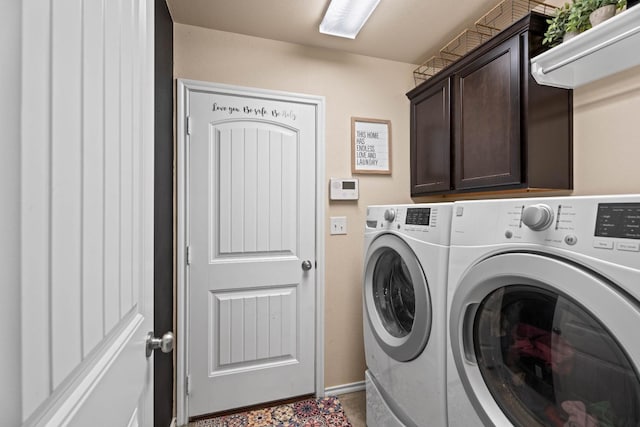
x: 544, y: 312
x: 404, y: 296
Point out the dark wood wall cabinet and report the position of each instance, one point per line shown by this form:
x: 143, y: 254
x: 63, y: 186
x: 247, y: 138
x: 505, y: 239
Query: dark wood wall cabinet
x: 484, y: 124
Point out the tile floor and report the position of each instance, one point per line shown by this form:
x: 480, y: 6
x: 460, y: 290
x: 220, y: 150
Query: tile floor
x: 355, y: 406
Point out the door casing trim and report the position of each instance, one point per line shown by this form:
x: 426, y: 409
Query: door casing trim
x: 184, y: 86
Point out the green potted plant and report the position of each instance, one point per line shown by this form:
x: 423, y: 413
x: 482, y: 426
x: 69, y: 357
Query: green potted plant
x: 601, y: 10
x: 604, y: 9
x: 557, y: 26
x: 573, y: 18
x: 578, y: 20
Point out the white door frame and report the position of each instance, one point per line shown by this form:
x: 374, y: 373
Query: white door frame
x: 182, y: 307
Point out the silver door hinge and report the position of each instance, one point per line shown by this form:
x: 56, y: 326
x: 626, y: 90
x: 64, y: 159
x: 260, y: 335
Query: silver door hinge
x: 188, y: 125
x: 188, y: 384
x: 188, y: 255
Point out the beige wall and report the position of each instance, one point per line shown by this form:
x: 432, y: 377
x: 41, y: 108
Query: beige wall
x: 606, y: 135
x: 353, y: 85
x: 606, y: 146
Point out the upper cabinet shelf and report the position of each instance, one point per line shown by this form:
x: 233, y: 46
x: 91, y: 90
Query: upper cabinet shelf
x: 610, y: 47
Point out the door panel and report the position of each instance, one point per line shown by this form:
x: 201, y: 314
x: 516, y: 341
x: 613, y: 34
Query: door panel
x: 93, y: 176
x: 431, y: 141
x: 251, y: 223
x: 87, y: 212
x: 66, y: 203
x: 254, y: 328
x: 254, y: 203
x: 487, y: 136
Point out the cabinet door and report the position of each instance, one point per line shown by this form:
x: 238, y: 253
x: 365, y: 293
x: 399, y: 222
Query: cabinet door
x: 487, y: 111
x: 431, y: 140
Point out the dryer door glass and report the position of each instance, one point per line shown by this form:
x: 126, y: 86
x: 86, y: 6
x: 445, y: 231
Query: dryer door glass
x: 549, y: 362
x: 393, y: 293
x: 397, y: 302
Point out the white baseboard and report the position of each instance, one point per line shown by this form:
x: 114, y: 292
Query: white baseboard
x: 344, y: 388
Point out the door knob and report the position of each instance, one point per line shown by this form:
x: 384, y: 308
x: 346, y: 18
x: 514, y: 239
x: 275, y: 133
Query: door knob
x: 306, y: 265
x: 165, y: 343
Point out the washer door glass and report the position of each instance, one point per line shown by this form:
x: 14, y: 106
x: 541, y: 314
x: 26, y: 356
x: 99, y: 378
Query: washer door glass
x: 549, y: 362
x: 396, y: 296
x: 393, y: 293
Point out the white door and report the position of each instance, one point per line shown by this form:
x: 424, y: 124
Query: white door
x: 251, y: 220
x: 86, y: 237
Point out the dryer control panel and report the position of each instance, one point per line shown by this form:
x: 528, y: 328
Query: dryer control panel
x: 426, y: 222
x: 418, y: 216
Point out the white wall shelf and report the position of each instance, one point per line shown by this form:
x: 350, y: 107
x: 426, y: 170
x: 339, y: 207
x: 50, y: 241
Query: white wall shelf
x: 610, y: 47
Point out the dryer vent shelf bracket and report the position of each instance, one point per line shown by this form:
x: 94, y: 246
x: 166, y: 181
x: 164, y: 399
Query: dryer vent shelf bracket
x: 491, y: 23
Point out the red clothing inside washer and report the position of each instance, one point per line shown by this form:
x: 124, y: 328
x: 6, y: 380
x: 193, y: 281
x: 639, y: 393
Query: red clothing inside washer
x: 544, y: 345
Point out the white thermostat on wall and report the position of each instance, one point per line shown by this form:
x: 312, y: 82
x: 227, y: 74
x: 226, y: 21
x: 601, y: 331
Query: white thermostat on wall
x: 343, y: 189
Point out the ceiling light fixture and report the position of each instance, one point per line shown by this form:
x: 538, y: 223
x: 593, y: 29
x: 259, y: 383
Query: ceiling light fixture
x: 345, y: 18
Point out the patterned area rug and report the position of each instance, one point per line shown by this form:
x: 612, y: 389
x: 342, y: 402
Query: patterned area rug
x: 321, y: 412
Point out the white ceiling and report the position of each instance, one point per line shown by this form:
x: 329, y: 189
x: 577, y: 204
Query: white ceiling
x: 408, y: 31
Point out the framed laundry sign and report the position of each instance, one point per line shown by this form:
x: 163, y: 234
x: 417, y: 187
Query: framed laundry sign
x: 370, y: 146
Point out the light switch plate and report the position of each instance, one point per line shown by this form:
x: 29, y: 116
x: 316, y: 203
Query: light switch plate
x: 338, y: 225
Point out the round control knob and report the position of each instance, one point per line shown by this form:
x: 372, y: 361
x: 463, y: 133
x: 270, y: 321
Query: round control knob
x: 390, y: 215
x: 537, y: 217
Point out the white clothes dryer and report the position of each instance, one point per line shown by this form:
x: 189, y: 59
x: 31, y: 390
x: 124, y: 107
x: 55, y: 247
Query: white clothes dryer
x: 404, y: 295
x: 543, y: 309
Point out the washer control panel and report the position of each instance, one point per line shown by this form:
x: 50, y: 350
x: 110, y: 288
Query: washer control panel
x: 605, y: 227
x: 619, y: 220
x: 537, y: 217
x: 618, y: 227
x: 541, y: 217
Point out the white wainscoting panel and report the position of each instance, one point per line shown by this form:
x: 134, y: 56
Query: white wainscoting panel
x: 112, y: 90
x: 93, y: 174
x: 36, y: 209
x: 254, y: 327
x: 257, y: 190
x: 66, y: 190
x: 126, y: 155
